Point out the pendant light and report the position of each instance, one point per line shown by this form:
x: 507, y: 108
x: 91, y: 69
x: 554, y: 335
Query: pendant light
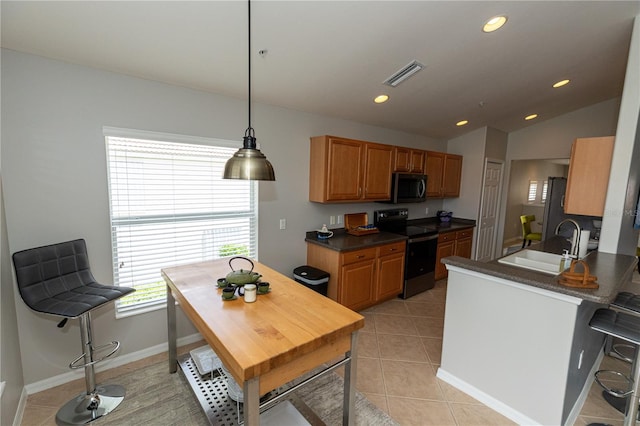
x: 248, y: 162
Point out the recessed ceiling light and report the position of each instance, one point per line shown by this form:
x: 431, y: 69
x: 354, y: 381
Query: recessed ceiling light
x: 494, y: 23
x: 561, y: 83
x: 531, y: 117
x: 462, y: 123
x: 381, y: 99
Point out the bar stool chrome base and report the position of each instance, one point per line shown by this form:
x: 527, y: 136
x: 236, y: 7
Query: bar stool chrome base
x: 619, y: 404
x: 625, y: 327
x: 86, y: 408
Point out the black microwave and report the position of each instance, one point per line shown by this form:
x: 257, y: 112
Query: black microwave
x: 408, y: 188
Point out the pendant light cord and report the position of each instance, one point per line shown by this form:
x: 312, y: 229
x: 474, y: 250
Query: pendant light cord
x: 249, y: 131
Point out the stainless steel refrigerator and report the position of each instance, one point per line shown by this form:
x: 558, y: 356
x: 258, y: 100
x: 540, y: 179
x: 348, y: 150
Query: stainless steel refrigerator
x: 554, y: 213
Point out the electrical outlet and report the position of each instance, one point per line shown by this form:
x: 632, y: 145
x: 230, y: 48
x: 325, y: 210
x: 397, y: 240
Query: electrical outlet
x: 332, y: 220
x: 339, y: 219
x: 283, y: 223
x: 426, y: 210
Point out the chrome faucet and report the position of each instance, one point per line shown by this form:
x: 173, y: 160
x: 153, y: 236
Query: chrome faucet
x: 574, y: 244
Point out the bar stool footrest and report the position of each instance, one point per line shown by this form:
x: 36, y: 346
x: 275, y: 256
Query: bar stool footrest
x: 618, y: 393
x: 617, y: 348
x: 115, y: 344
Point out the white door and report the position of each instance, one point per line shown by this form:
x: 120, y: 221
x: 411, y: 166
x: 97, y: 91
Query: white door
x: 489, y: 204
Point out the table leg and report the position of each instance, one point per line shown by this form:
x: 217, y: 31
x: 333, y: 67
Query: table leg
x: 251, y: 394
x: 349, y: 404
x: 171, y: 331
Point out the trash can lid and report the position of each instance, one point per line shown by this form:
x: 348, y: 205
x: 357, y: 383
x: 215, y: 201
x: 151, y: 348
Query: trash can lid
x: 310, y: 273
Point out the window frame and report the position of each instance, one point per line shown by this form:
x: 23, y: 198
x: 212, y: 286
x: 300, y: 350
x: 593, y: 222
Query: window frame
x: 113, y: 132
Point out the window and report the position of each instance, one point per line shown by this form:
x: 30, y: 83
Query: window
x: 533, y: 190
x: 537, y: 193
x: 169, y: 205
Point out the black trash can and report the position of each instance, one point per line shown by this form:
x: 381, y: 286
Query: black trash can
x: 313, y: 278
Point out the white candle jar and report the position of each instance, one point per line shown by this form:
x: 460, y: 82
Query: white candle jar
x: 250, y: 293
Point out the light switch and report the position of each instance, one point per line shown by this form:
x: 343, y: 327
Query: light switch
x: 283, y: 223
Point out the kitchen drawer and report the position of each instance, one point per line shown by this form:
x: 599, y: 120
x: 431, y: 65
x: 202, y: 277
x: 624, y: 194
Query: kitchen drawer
x: 358, y: 255
x: 388, y: 249
x: 443, y: 237
x: 465, y: 233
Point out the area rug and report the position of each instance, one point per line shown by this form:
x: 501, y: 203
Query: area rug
x: 155, y: 397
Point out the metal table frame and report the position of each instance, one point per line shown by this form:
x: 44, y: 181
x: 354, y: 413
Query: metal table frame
x: 251, y: 387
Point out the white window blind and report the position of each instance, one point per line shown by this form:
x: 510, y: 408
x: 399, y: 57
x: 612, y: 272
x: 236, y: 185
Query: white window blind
x: 170, y: 206
x: 533, y: 189
x: 545, y: 186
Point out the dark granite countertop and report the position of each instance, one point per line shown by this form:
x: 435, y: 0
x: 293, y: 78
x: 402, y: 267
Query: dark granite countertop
x: 455, y: 224
x: 341, y: 241
x: 613, y: 271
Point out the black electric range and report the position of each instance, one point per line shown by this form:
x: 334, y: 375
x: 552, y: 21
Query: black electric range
x: 421, y: 251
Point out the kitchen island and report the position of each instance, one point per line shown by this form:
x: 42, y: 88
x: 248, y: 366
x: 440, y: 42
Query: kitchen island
x: 519, y: 342
x: 265, y: 344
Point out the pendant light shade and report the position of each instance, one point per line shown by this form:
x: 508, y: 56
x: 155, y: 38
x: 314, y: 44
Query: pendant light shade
x: 248, y: 162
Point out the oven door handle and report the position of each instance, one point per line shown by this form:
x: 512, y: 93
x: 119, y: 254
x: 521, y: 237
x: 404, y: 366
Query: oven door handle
x: 421, y: 239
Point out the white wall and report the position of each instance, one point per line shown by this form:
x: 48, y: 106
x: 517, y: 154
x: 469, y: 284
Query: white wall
x: 624, y: 182
x: 472, y: 147
x: 55, y: 181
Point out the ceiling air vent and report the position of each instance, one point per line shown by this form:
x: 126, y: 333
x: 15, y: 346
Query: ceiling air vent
x: 404, y: 73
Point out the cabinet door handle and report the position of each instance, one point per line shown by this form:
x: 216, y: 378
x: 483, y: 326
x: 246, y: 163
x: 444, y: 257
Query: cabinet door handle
x: 360, y: 256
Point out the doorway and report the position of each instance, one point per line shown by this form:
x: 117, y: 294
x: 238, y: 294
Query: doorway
x: 489, y: 207
x: 522, y: 174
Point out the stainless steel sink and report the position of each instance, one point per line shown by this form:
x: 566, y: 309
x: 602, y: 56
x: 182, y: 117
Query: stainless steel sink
x: 547, y: 263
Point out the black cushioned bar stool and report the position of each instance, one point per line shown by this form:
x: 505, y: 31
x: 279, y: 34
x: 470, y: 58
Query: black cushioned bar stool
x: 626, y: 327
x: 56, y: 280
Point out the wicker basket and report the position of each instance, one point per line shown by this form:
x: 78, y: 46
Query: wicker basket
x: 583, y: 279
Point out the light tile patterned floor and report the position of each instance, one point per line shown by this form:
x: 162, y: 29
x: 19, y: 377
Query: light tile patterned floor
x: 398, y: 356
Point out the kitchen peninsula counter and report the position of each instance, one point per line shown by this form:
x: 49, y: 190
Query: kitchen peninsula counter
x: 519, y: 342
x: 613, y: 271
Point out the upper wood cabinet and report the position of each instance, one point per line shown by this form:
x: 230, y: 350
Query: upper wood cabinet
x: 443, y: 174
x: 409, y: 160
x: 347, y: 170
x: 589, y: 168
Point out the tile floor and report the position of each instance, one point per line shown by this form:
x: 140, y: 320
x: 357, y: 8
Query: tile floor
x: 398, y: 356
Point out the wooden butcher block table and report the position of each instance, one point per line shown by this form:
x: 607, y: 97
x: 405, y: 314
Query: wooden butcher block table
x: 282, y: 335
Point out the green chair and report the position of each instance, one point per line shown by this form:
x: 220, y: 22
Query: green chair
x: 527, y: 235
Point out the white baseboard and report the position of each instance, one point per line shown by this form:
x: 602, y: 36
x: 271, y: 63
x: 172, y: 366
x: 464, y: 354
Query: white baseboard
x: 118, y: 361
x: 22, y: 404
x: 487, y: 400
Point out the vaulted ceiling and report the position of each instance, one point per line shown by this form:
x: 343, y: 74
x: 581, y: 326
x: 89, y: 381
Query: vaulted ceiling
x: 330, y: 57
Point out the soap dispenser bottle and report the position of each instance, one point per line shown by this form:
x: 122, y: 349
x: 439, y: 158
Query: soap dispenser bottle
x: 565, y: 261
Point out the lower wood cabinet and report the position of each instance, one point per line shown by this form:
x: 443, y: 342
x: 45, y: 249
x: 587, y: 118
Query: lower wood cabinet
x: 453, y: 243
x: 361, y: 278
